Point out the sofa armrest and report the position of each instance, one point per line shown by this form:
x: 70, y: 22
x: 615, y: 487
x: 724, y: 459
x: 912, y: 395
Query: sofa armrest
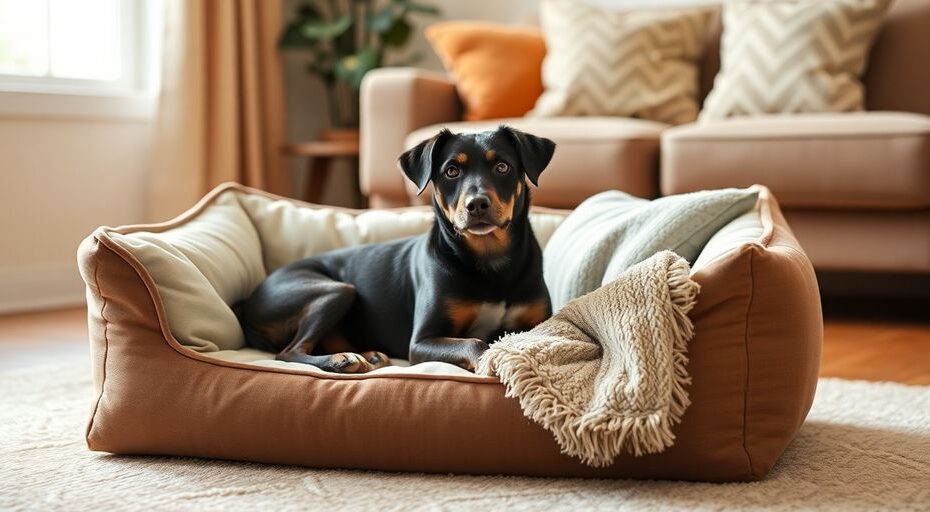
x: 394, y: 102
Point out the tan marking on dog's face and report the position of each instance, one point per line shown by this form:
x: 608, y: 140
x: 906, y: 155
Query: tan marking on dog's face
x: 490, y: 155
x: 461, y: 158
x: 503, y: 211
x: 461, y: 314
x: 457, y: 213
x: 495, y: 242
x: 450, y: 213
x: 519, y: 189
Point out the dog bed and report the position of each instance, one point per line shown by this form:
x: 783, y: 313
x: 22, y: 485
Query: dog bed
x: 173, y: 376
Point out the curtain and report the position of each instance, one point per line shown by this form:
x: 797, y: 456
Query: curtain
x: 220, y: 113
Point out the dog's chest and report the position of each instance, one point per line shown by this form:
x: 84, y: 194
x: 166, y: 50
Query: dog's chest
x: 492, y: 317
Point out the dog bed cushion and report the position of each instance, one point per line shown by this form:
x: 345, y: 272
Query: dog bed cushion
x: 173, y: 376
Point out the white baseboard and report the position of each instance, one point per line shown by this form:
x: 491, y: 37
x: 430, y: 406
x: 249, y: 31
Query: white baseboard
x: 40, y: 287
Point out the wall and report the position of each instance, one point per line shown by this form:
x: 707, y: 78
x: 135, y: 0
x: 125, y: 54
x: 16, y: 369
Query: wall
x: 61, y: 178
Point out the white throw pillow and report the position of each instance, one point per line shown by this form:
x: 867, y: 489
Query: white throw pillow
x: 633, y: 63
x: 792, y: 56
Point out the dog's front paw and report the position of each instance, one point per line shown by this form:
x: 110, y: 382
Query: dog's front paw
x: 348, y: 362
x: 474, y: 348
x: 377, y: 359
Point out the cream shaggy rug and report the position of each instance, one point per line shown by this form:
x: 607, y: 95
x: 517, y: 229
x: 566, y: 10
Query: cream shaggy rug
x: 865, y: 446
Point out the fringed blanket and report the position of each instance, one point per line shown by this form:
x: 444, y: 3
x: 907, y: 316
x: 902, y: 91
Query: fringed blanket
x: 607, y: 373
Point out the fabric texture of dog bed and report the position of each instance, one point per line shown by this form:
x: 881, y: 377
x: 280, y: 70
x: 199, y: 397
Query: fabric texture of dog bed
x: 173, y: 376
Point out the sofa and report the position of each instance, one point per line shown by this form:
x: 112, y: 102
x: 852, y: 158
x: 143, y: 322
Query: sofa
x: 855, y: 187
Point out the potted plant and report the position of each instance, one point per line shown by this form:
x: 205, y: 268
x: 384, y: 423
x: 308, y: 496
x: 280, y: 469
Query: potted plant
x: 345, y: 39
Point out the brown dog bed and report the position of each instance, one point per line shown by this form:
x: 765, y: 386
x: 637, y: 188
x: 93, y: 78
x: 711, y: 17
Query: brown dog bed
x: 174, y: 377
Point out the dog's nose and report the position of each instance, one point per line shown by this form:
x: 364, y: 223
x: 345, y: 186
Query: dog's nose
x: 477, y: 204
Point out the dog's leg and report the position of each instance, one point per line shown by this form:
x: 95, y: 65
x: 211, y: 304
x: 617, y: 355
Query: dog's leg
x: 463, y: 352
x: 326, y: 301
x: 293, y: 311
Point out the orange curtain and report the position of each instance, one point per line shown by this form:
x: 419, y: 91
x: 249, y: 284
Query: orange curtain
x: 221, y: 112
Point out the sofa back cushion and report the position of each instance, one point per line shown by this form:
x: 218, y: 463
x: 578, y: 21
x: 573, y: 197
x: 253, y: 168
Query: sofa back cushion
x: 639, y: 63
x: 894, y: 79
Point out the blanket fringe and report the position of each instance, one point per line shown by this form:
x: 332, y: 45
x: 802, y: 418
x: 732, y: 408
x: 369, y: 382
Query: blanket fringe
x: 594, y: 441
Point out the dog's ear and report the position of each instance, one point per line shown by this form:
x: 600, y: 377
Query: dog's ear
x: 417, y: 163
x: 535, y: 152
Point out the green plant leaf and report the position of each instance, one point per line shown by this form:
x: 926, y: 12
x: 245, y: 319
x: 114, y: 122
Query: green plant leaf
x: 353, y: 68
x: 381, y: 21
x: 292, y: 36
x: 326, y: 30
x: 398, y: 34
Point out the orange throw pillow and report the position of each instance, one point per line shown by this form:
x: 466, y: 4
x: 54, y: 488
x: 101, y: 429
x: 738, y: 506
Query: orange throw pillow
x: 497, y: 68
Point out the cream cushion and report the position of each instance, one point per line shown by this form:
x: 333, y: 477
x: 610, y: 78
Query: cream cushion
x: 789, y: 56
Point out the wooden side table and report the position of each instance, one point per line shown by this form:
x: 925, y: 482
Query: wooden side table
x: 321, y: 155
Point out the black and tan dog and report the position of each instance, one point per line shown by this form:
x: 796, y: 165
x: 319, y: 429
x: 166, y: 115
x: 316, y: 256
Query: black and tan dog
x: 441, y: 296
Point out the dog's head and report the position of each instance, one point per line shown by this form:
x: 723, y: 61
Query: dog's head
x: 478, y: 178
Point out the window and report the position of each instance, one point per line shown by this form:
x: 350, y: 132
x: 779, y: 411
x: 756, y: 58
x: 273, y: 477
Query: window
x: 89, y: 47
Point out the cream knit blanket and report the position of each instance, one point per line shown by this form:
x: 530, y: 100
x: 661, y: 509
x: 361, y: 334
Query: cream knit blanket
x: 607, y: 373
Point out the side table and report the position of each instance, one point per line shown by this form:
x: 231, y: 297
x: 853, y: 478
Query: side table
x: 321, y: 155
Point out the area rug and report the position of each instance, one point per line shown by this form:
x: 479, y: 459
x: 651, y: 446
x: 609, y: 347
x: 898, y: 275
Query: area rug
x: 865, y: 446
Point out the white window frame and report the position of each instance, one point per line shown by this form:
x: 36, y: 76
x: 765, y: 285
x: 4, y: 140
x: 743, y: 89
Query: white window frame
x: 131, y: 97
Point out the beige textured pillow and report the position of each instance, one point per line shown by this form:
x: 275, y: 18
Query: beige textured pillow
x: 789, y: 56
x: 636, y: 63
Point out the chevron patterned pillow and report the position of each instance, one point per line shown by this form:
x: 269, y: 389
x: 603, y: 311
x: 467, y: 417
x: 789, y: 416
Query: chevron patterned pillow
x: 633, y: 63
x: 791, y: 56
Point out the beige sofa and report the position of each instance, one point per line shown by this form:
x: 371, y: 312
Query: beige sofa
x: 855, y: 187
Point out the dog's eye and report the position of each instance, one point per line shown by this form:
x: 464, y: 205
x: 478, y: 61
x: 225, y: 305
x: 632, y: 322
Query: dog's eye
x: 452, y: 172
x: 501, y: 168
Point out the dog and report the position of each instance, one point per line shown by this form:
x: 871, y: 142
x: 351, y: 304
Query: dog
x: 441, y: 296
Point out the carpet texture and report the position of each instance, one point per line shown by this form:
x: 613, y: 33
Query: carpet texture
x: 865, y: 446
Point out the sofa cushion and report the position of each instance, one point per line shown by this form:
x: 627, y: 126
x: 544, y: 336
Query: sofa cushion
x: 632, y: 63
x: 875, y: 160
x: 781, y: 56
x: 592, y: 154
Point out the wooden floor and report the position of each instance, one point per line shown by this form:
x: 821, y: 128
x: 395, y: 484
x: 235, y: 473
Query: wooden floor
x: 879, y: 339
x: 871, y: 340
